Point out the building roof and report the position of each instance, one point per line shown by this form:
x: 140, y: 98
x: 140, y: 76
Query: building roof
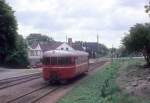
x: 77, y: 46
x: 88, y: 45
x: 46, y: 46
x: 50, y: 46
x: 91, y: 46
x: 34, y: 45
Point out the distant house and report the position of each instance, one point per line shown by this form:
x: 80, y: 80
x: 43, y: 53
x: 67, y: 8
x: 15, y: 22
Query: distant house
x: 36, y: 50
x: 35, y: 53
x: 78, y: 46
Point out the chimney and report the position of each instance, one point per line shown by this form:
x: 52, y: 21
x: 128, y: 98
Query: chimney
x: 70, y: 41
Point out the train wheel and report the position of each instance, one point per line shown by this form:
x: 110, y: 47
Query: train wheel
x: 64, y: 82
x: 54, y: 79
x: 54, y: 82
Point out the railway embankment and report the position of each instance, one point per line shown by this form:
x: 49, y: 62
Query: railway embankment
x: 102, y: 87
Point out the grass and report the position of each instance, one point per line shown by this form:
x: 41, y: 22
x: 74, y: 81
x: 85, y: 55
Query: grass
x: 100, y: 88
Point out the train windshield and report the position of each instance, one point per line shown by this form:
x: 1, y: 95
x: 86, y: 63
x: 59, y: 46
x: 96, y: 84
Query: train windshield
x: 58, y: 60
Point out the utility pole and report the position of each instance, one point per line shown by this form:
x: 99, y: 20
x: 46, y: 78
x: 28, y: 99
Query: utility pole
x: 97, y: 39
x: 97, y: 43
x: 112, y: 53
x: 66, y: 38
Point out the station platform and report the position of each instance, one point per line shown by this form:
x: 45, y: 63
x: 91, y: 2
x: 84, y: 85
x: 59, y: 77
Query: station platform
x: 9, y: 73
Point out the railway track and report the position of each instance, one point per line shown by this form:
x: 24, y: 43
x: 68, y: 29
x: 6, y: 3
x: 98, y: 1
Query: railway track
x: 95, y: 65
x: 36, y: 95
x: 5, y: 83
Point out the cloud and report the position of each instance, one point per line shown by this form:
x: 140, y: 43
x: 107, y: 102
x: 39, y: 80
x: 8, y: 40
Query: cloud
x: 133, y: 3
x: 81, y: 20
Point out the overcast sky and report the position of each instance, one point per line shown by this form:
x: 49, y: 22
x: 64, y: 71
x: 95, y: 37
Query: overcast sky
x: 81, y: 20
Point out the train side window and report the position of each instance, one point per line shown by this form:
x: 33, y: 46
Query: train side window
x: 77, y: 60
x: 53, y: 60
x: 84, y: 59
x: 80, y: 60
x: 65, y: 60
x: 46, y: 61
x: 60, y: 60
x: 72, y: 60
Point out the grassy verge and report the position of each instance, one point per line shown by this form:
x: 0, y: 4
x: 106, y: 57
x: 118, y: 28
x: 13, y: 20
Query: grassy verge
x: 100, y: 88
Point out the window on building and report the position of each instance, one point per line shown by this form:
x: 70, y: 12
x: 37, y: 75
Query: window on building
x: 36, y: 53
x: 40, y: 53
x: 31, y: 53
x: 62, y: 48
x: 67, y: 49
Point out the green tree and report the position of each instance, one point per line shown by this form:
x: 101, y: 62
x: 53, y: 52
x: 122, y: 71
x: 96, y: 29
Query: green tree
x: 138, y: 40
x: 147, y: 8
x: 8, y: 27
x: 38, y: 38
x: 12, y: 52
x: 18, y: 58
x: 102, y: 50
x: 122, y: 52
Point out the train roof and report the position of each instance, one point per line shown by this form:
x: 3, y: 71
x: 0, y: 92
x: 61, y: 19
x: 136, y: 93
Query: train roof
x: 63, y: 53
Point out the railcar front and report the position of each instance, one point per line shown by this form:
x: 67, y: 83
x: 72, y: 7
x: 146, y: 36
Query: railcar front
x: 58, y: 65
x: 61, y: 65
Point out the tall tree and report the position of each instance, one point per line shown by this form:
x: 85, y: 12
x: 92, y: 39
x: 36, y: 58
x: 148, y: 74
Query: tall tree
x: 8, y: 27
x: 34, y: 37
x: 138, y: 40
x: 18, y: 58
x: 11, y: 51
x: 147, y: 8
x: 122, y: 52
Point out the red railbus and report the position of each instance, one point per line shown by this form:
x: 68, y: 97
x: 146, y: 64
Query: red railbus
x: 59, y: 65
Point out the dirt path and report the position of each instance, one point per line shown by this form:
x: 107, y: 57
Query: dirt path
x: 55, y: 96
